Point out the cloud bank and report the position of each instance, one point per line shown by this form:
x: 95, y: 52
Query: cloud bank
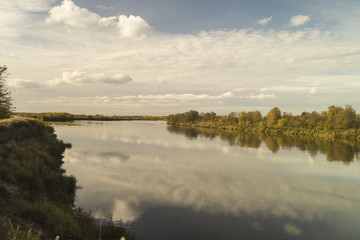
x: 78, y: 78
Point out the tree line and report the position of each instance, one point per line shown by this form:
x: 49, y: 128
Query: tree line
x: 68, y: 117
x: 336, y: 117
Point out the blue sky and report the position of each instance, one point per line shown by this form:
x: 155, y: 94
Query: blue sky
x: 160, y: 57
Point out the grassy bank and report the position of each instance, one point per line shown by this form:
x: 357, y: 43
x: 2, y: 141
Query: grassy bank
x: 36, y: 196
x: 351, y: 134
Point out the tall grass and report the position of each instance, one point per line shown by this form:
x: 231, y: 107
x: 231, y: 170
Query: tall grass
x: 19, y: 233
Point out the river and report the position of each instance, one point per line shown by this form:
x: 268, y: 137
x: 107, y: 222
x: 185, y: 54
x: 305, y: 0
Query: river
x: 170, y: 183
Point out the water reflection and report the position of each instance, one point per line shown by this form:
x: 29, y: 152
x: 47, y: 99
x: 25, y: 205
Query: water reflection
x: 166, y: 186
x: 335, y: 150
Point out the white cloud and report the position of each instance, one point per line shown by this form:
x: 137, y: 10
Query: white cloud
x: 262, y: 96
x: 132, y: 26
x: 169, y: 98
x: 264, y: 21
x: 77, y: 78
x: 69, y: 14
x: 108, y: 22
x: 209, y: 62
x: 299, y: 20
x: 23, y: 83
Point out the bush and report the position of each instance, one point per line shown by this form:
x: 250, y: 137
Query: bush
x: 53, y: 219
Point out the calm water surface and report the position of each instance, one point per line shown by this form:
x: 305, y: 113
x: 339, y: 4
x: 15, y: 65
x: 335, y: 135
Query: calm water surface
x: 170, y: 183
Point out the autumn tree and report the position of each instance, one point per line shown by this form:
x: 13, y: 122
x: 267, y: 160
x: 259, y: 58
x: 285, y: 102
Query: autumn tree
x: 273, y: 116
x: 6, y: 106
x: 191, y: 116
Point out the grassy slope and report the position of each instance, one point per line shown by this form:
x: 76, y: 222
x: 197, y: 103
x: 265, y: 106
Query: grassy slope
x: 34, y: 190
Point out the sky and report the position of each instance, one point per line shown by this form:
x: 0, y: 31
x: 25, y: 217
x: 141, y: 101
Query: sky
x: 122, y: 57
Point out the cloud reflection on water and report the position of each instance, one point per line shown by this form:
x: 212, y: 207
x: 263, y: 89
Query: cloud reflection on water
x: 135, y: 168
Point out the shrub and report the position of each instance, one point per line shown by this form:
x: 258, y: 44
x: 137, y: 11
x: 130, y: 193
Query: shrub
x: 54, y: 220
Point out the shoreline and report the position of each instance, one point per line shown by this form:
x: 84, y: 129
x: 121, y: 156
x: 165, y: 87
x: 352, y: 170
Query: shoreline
x: 349, y: 134
x: 37, y: 197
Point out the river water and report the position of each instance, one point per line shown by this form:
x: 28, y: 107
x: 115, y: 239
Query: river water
x: 171, y: 183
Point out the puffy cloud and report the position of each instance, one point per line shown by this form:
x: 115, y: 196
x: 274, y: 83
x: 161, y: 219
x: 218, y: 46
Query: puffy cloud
x: 264, y: 21
x: 132, y: 26
x: 299, y: 20
x: 209, y: 62
x: 108, y: 22
x: 69, y: 14
x: 23, y: 83
x: 81, y: 78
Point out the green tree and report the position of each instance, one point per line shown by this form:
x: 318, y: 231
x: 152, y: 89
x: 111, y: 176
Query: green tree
x: 191, y: 116
x: 6, y: 106
x: 348, y: 118
x: 273, y: 116
x: 232, y: 119
x: 243, y: 119
x: 256, y: 117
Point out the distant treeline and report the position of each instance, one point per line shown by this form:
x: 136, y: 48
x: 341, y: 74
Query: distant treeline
x: 68, y: 117
x: 333, y: 120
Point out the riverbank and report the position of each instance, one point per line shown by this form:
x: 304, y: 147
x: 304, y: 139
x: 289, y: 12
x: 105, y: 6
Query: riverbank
x: 68, y: 117
x: 350, y: 134
x: 35, y: 192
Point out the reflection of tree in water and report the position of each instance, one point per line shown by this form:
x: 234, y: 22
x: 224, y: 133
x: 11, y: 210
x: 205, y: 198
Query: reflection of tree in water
x: 272, y: 144
x: 342, y: 152
x: 335, y: 150
x: 188, y: 132
x: 198, y: 132
x: 247, y: 140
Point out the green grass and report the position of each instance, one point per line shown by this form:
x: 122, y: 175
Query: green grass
x: 35, y: 192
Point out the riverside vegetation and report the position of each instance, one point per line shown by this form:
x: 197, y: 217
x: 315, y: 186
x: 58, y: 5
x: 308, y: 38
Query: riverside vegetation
x: 335, y: 123
x: 36, y: 197
x: 68, y: 117
x: 35, y: 193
